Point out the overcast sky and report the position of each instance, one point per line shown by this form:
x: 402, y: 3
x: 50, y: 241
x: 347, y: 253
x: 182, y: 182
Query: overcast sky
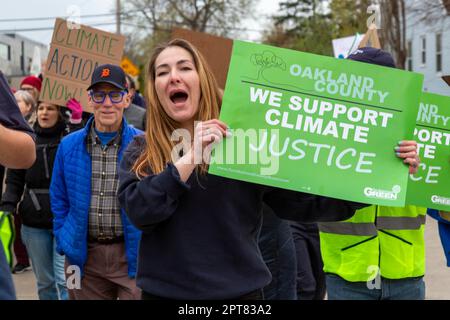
x: 23, y: 9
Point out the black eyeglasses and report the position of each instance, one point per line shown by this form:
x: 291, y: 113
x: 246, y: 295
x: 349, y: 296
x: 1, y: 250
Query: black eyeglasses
x: 114, y: 96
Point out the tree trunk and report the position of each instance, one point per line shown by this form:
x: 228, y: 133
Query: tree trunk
x: 393, y: 30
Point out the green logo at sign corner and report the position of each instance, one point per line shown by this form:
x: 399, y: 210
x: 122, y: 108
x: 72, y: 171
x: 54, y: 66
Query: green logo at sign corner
x: 383, y: 194
x: 440, y: 200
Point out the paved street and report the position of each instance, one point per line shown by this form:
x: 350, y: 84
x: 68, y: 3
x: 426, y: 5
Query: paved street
x: 437, y: 276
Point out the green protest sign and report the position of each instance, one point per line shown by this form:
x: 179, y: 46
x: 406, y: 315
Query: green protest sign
x: 430, y: 186
x: 316, y: 124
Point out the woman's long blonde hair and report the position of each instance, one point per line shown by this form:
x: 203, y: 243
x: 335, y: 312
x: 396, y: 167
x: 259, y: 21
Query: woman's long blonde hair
x: 158, y: 149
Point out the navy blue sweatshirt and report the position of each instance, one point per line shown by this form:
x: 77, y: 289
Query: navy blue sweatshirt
x: 200, y: 238
x: 10, y: 117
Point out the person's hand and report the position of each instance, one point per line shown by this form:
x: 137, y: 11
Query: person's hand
x: 407, y: 150
x: 206, y: 135
x: 76, y: 110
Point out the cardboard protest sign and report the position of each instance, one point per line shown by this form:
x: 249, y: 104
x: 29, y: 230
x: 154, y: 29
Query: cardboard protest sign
x: 430, y: 186
x: 216, y: 50
x: 317, y: 124
x: 73, y: 56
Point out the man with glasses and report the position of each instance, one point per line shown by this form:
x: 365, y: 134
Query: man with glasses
x: 90, y: 227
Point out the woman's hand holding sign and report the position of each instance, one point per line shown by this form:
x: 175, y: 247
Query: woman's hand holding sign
x: 407, y: 150
x: 206, y: 135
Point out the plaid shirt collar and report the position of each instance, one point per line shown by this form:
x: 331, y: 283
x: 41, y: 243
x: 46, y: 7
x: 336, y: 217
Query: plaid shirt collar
x: 93, y: 138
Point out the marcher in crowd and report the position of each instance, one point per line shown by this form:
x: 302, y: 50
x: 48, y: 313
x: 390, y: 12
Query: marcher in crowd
x: 135, y: 115
x: 34, y: 208
x: 137, y: 98
x: 27, y: 106
x: 443, y: 218
x: 201, y: 229
x: 310, y: 277
x: 17, y: 150
x: 379, y: 253
x: 89, y: 225
x: 278, y: 251
x: 32, y: 85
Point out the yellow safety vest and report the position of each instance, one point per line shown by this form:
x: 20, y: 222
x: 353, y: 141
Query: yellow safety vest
x: 376, y: 239
x: 7, y: 234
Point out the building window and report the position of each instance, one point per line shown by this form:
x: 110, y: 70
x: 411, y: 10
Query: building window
x: 424, y: 50
x: 5, y: 51
x: 30, y: 61
x: 409, y: 65
x: 438, y: 52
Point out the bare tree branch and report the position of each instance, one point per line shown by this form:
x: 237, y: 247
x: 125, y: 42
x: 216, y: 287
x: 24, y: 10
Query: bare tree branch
x: 155, y: 18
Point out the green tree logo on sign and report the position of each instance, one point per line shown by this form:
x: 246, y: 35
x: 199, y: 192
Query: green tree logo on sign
x: 267, y: 60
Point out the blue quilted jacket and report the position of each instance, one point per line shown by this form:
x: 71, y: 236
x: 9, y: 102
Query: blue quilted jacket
x: 70, y: 198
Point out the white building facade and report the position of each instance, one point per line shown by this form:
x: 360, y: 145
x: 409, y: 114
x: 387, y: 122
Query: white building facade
x: 16, y: 54
x: 428, y: 43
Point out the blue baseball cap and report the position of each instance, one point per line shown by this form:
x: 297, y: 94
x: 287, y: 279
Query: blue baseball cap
x: 373, y: 56
x: 109, y: 73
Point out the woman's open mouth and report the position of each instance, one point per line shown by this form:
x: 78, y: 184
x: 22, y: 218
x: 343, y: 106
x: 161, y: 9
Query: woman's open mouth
x: 179, y: 96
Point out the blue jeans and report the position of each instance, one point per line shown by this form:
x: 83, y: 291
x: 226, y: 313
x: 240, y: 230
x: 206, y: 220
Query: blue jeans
x: 48, y: 265
x: 402, y: 289
x: 278, y: 250
x: 7, y: 291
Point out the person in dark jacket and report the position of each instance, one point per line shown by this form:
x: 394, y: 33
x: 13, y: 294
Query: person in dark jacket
x: 16, y: 151
x: 136, y: 97
x: 278, y: 251
x: 201, y: 229
x: 27, y: 106
x: 311, y: 284
x: 34, y: 208
x: 135, y: 115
